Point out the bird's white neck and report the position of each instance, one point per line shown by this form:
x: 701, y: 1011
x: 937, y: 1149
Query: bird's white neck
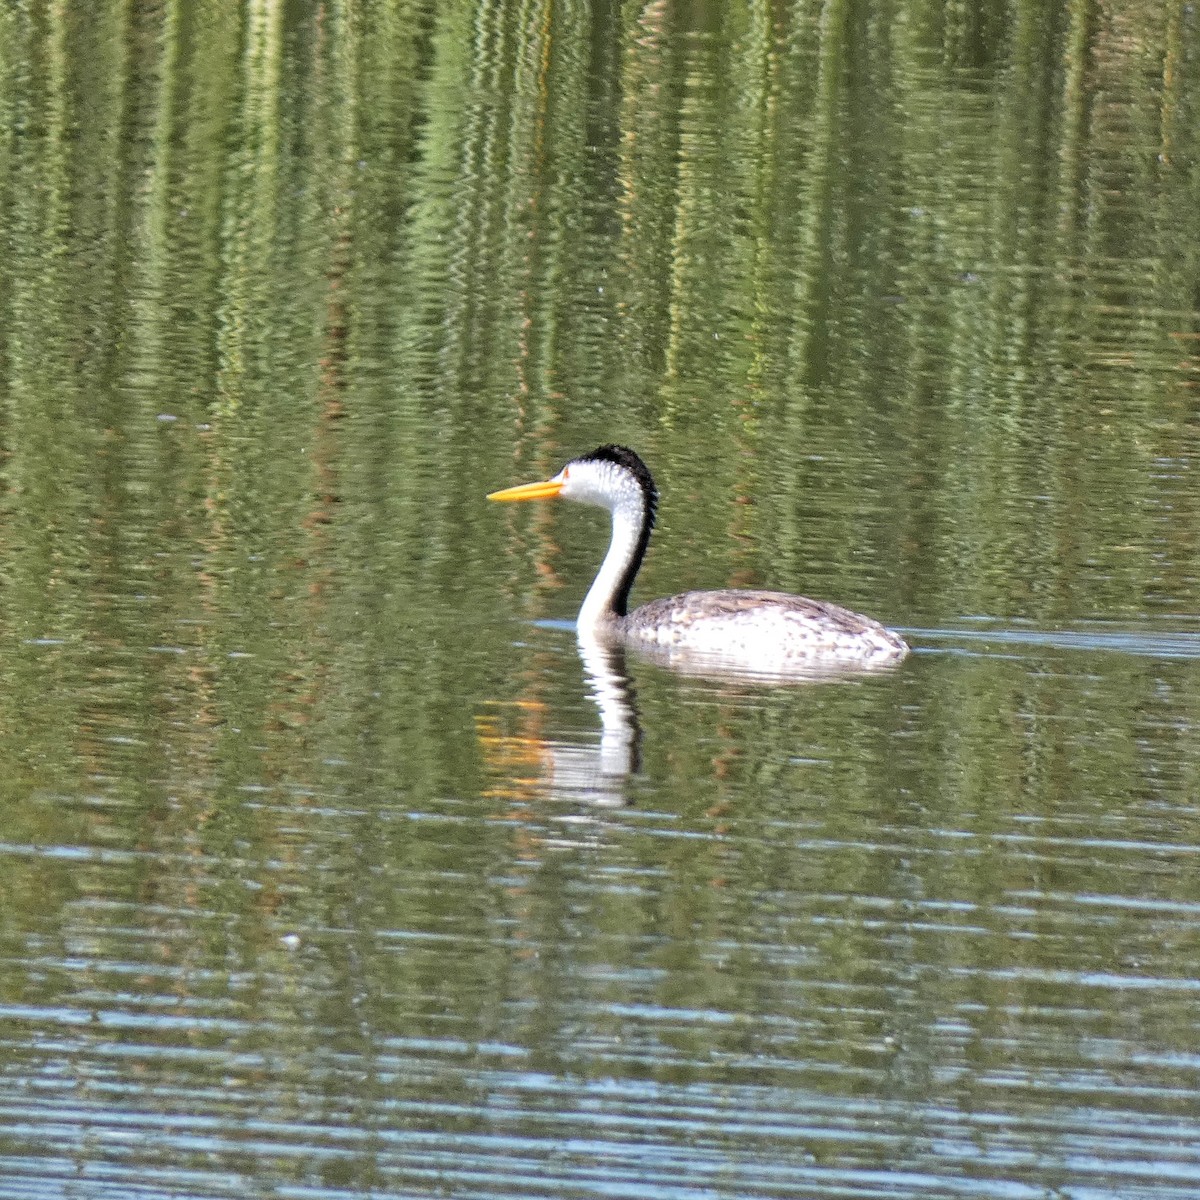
x: 604, y: 605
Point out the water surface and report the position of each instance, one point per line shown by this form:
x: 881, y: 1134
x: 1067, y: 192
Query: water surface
x: 331, y: 867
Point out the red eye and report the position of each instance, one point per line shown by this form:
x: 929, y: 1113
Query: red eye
x: 566, y: 472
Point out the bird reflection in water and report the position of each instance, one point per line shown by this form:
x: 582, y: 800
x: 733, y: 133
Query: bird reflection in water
x: 534, y: 762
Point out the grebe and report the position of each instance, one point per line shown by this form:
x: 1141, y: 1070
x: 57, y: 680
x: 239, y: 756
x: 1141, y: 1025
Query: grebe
x: 771, y: 631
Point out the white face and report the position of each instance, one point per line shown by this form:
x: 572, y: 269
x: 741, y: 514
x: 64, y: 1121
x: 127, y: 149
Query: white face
x: 598, y: 482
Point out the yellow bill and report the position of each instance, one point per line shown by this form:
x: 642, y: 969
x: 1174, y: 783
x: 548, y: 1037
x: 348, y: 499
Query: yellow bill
x: 545, y: 490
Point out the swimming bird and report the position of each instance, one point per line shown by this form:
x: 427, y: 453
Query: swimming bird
x: 758, y: 630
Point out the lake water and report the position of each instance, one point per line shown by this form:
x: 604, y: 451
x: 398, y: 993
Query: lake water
x: 330, y: 867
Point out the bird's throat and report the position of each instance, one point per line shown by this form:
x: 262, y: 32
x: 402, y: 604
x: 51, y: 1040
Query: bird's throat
x: 607, y: 600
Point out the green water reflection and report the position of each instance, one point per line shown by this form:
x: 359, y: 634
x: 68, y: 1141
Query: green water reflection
x: 319, y: 876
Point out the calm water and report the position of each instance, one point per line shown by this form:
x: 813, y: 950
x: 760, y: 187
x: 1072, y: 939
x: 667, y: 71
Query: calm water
x: 330, y: 867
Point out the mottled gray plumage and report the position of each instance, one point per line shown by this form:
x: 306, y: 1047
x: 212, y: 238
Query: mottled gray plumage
x: 770, y: 629
x: 731, y: 603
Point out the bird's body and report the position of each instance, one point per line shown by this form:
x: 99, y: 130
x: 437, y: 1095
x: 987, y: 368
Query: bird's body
x: 761, y: 627
x: 761, y: 630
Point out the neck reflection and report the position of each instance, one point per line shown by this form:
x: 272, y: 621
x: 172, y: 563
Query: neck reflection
x: 617, y: 756
x: 535, y: 753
